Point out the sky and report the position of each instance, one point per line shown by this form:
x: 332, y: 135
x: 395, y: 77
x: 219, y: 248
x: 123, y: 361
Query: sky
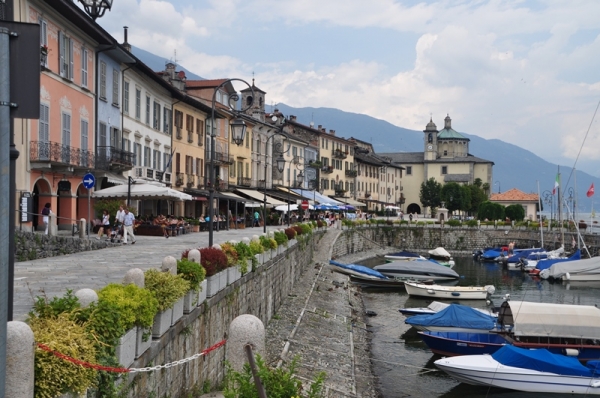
x: 525, y: 72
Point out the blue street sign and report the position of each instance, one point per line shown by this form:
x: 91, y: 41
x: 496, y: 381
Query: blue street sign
x: 89, y: 180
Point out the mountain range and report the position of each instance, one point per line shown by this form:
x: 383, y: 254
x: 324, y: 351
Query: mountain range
x: 514, y: 167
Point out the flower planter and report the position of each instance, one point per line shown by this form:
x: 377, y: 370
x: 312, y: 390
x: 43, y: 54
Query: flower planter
x: 280, y: 249
x: 292, y: 242
x: 143, y: 341
x: 190, y: 301
x: 233, y: 274
x: 162, y: 323
x: 74, y: 395
x: 212, y: 285
x: 126, y: 348
x: 202, y: 293
x: 222, y: 279
x: 177, y: 312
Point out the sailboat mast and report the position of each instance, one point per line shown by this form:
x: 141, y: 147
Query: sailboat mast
x: 541, y: 220
x: 560, y: 219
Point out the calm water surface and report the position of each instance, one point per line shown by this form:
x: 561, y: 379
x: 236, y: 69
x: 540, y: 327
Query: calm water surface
x: 404, y: 364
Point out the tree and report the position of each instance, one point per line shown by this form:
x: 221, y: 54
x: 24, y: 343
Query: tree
x: 478, y: 196
x: 478, y: 183
x: 455, y: 197
x: 430, y: 194
x: 515, y: 212
x: 491, y: 211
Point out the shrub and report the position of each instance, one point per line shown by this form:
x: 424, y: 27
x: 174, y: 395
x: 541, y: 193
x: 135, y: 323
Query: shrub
x: 213, y: 260
x: 256, y: 247
x: 166, y: 287
x: 136, y: 306
x: 230, y: 253
x: 472, y: 223
x: 290, y: 233
x: 281, y: 238
x: 298, y: 229
x: 192, y: 272
x: 306, y: 228
x: 53, y: 375
x: 320, y: 224
x: 453, y: 223
x: 244, y: 254
x: 42, y: 308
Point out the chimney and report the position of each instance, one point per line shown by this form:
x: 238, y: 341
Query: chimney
x: 292, y: 118
x: 332, y: 132
x: 319, y: 127
x: 125, y: 43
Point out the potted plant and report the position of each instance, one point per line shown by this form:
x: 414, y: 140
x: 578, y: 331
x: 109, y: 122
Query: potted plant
x: 233, y: 273
x: 213, y: 260
x: 281, y: 239
x: 257, y: 251
x: 136, y: 307
x: 168, y: 289
x: 244, y: 255
x: 195, y: 274
x: 195, y: 223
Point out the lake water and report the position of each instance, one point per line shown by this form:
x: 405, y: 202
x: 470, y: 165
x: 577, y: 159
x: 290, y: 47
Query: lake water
x: 402, y: 362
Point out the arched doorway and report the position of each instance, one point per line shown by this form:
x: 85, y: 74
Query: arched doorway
x: 42, y: 194
x: 413, y: 208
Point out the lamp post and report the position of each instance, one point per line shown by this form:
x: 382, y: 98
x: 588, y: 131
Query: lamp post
x: 572, y: 201
x: 238, y: 132
x: 280, y: 166
x: 498, y: 183
x: 549, y: 200
x: 130, y: 181
x: 96, y: 8
x: 299, y: 180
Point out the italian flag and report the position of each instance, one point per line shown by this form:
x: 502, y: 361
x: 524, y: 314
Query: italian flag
x: 556, y: 184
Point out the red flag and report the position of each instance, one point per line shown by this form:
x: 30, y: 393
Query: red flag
x: 590, y: 191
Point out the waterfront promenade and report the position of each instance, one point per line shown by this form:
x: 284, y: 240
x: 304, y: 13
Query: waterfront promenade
x: 95, y: 269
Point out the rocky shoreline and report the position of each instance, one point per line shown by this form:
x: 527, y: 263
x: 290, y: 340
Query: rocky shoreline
x: 323, y: 323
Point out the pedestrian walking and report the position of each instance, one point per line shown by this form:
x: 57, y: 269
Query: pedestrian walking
x: 128, y: 221
x: 120, y: 215
x: 104, y: 224
x: 46, y: 211
x: 256, y: 219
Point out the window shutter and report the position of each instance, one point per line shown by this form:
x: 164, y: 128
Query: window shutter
x: 71, y: 59
x: 61, y: 54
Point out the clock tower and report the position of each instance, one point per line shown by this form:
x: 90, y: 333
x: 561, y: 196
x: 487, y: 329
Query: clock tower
x: 430, y: 140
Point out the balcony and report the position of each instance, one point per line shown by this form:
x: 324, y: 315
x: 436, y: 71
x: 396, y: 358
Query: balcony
x: 179, y: 179
x: 315, y: 164
x: 338, y: 153
x: 401, y: 199
x: 327, y: 169
x: 222, y: 158
x: 190, y: 180
x: 60, y: 155
x: 112, y: 158
x: 351, y: 173
x: 340, y: 192
x: 367, y: 194
x: 244, y: 181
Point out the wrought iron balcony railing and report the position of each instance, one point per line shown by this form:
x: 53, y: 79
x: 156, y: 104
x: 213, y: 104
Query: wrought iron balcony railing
x: 60, y: 154
x: 110, y: 157
x: 327, y: 169
x: 244, y: 181
x: 338, y: 153
x: 191, y: 180
x: 351, y: 173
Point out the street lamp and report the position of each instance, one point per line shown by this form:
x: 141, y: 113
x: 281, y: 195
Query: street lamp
x: 549, y: 200
x: 280, y: 166
x: 498, y: 183
x: 96, y: 8
x: 238, y: 132
x: 572, y: 200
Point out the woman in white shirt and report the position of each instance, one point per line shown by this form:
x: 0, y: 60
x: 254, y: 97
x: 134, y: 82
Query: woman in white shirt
x: 105, y: 225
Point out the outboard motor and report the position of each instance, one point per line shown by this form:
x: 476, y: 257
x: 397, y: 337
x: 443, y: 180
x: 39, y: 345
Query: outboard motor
x: 477, y: 254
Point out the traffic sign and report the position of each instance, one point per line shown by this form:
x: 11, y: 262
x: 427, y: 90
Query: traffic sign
x: 304, y: 205
x: 89, y: 180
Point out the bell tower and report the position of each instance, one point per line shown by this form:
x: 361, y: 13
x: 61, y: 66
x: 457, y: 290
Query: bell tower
x: 256, y: 97
x: 430, y: 140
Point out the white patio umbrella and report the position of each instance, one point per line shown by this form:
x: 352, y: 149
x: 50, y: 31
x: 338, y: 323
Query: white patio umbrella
x: 292, y: 207
x: 142, y: 191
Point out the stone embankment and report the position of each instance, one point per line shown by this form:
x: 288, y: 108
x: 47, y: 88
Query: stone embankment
x: 323, y: 322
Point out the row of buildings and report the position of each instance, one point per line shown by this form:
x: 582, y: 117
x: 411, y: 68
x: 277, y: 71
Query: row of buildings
x: 105, y: 112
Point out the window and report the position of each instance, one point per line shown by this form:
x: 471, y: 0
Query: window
x: 156, y: 120
x: 146, y: 156
x: 65, y: 49
x: 200, y: 132
x: 408, y: 170
x: 115, y: 88
x: 126, y: 97
x: 156, y: 159
x: 102, y: 135
x: 138, y: 103
x: 44, y: 124
x: 148, y: 110
x: 66, y: 137
x: 103, y: 81
x: 166, y: 158
x: 444, y: 169
x: 115, y: 138
x: 137, y: 151
x: 247, y: 140
x: 43, y: 37
x: 247, y: 170
x: 167, y: 115
x: 445, y: 153
x: 198, y: 167
x: 178, y: 123
x: 84, y: 142
x: 189, y: 126
x: 84, y: 67
x: 127, y: 145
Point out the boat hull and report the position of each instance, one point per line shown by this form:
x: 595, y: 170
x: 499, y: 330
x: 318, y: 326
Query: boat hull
x: 448, y: 292
x: 456, y: 343
x: 485, y: 371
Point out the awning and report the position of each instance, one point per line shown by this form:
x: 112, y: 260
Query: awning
x: 141, y: 191
x: 314, y: 195
x: 350, y: 201
x: 112, y: 177
x: 291, y: 193
x: 259, y: 196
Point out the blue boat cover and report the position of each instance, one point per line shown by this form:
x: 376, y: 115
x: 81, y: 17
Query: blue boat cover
x: 549, y: 262
x: 455, y: 315
x: 522, y: 253
x: 541, y: 360
x: 360, y: 268
x: 492, y: 254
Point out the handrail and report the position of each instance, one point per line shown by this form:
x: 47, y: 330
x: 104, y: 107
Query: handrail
x: 74, y: 228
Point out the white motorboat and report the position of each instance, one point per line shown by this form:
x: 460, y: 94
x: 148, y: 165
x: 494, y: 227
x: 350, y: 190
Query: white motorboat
x: 417, y: 270
x: 528, y: 263
x: 449, y: 292
x: 587, y: 269
x: 403, y: 255
x: 436, y: 306
x: 442, y: 256
x: 524, y: 370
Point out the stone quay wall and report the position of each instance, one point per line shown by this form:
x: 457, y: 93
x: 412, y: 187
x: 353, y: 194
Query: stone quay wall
x: 455, y: 240
x: 32, y: 246
x: 259, y: 293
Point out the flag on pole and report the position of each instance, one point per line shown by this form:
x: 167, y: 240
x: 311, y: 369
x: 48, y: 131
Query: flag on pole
x: 590, y: 191
x: 556, y: 184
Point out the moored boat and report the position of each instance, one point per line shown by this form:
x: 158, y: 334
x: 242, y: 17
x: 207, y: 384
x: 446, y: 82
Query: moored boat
x: 403, y: 255
x: 441, y: 256
x: 587, y: 269
x: 356, y: 269
x: 462, y: 343
x: 417, y: 270
x: 454, y: 318
x: 449, y: 292
x: 524, y: 370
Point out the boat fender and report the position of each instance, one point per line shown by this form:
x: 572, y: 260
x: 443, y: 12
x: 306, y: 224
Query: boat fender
x: 595, y: 384
x: 430, y: 291
x: 545, y: 273
x: 455, y: 294
x: 567, y: 276
x: 571, y: 352
x: 490, y: 289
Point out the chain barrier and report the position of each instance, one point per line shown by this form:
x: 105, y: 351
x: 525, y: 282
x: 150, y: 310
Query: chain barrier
x: 129, y: 370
